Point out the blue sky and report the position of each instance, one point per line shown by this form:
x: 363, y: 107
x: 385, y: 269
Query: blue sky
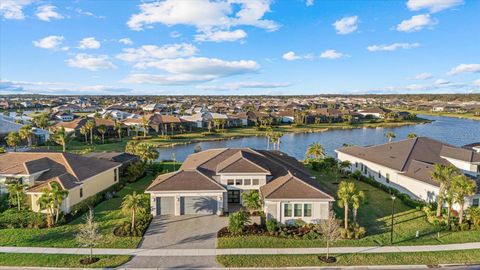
x: 239, y: 47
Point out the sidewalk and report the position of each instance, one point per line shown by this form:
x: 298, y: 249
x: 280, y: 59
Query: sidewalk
x: 244, y: 251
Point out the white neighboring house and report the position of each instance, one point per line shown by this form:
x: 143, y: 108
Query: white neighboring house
x: 407, y: 165
x: 115, y: 114
x: 212, y: 182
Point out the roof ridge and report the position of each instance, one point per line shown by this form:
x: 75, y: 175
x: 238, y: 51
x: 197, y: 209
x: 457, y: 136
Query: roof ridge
x: 68, y: 165
x: 409, y: 153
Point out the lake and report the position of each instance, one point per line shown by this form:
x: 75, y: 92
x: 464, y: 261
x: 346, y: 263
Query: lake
x: 450, y: 130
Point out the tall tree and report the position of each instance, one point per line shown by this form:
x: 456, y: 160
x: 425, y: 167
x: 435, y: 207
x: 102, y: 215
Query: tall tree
x: 58, y: 195
x: 91, y: 125
x: 357, y: 199
x: 346, y: 192
x: 315, y: 151
x: 145, y: 122
x: 118, y: 127
x: 26, y: 133
x: 47, y: 203
x: 13, y: 140
x: 62, y: 138
x: 462, y: 187
x: 102, y: 129
x: 16, y: 191
x: 443, y: 175
x: 84, y: 132
x: 133, y: 204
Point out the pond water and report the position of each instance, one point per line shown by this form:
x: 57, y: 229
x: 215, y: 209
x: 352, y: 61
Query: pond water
x: 450, y: 130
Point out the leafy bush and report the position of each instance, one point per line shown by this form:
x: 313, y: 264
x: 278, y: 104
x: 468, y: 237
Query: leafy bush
x: 141, y: 226
x: 135, y: 171
x: 3, y: 202
x: 237, y: 222
x: 272, y: 225
x: 354, y: 232
x: 13, y: 218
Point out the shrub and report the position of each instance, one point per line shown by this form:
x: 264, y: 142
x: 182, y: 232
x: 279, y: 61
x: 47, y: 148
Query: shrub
x: 3, y: 202
x: 139, y: 138
x: 237, y: 222
x: 13, y: 218
x: 272, y: 225
x: 92, y: 201
x: 134, y: 171
x: 299, y: 223
x: 141, y: 226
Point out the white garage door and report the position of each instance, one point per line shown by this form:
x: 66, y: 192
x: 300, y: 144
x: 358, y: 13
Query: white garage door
x: 165, y: 205
x: 196, y: 205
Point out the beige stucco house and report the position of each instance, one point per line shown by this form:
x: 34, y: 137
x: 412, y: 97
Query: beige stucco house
x: 83, y: 177
x: 407, y: 165
x: 212, y: 182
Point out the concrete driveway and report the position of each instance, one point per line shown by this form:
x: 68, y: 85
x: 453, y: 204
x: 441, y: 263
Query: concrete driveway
x: 189, y: 231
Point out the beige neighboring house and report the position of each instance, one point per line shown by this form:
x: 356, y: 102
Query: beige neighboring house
x: 407, y: 165
x: 81, y: 176
x: 212, y: 182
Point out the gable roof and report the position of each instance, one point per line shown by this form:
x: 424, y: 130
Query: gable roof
x: 241, y: 162
x: 184, y: 180
x: 291, y: 187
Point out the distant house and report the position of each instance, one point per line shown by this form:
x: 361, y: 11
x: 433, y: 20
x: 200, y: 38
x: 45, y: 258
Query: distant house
x: 75, y: 126
x: 67, y: 107
x: 82, y: 177
x: 162, y: 124
x: 212, y: 182
x: 8, y: 124
x: 375, y: 112
x: 407, y: 165
x: 63, y: 116
x: 123, y: 158
x: 286, y: 116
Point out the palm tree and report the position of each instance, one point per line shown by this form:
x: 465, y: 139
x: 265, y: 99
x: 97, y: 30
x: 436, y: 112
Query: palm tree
x: 145, y: 125
x: 345, y: 193
x: 268, y: 134
x: 474, y: 213
x: 357, y: 199
x: 442, y: 175
x: 411, y: 135
x: 13, y: 140
x: 251, y: 200
x: 118, y: 127
x: 172, y: 127
x: 47, y: 203
x: 102, y: 129
x: 26, y: 133
x: 316, y: 151
x: 84, y: 132
x: 133, y: 204
x: 17, y: 190
x: 275, y: 138
x: 58, y: 195
x: 390, y: 136
x: 345, y: 165
x: 146, y: 151
x: 91, y: 125
x: 62, y: 137
x: 463, y: 187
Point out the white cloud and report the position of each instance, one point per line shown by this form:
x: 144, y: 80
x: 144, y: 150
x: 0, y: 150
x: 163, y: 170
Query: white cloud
x: 193, y: 69
x: 331, y: 54
x: 309, y: 2
x: 205, y: 15
x: 89, y: 43
x: 90, y: 62
x: 392, y: 47
x: 220, y: 36
x: 47, y: 12
x: 442, y: 82
x: 290, y: 56
x: 423, y: 76
x: 416, y: 23
x: 432, y: 5
x: 465, y: 68
x: 243, y: 85
x: 125, y: 41
x: 13, y: 9
x: 56, y: 88
x: 88, y: 13
x: 346, y: 25
x: 50, y: 43
x: 476, y: 82
x: 148, y: 53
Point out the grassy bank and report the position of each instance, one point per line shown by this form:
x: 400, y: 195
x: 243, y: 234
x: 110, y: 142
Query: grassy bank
x: 107, y: 214
x: 471, y: 116
x: 59, y: 260
x: 230, y: 133
x: 375, y: 216
x: 424, y: 258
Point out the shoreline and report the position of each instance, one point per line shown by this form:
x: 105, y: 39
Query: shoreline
x: 311, y: 130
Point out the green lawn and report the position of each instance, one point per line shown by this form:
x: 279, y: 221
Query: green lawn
x: 107, y: 214
x: 59, y: 260
x: 428, y: 258
x: 81, y: 148
x: 375, y: 216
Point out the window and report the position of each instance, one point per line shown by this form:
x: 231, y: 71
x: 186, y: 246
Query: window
x: 307, y: 210
x: 356, y: 164
x: 115, y: 172
x: 365, y: 169
x: 230, y: 182
x: 81, y: 192
x: 387, y: 177
x: 297, y: 210
x: 287, y: 210
x: 379, y: 174
x: 247, y: 182
x: 255, y: 182
x: 238, y: 182
x: 475, y: 202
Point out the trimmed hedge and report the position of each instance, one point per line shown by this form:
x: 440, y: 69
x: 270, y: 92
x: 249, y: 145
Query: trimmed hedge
x: 13, y: 218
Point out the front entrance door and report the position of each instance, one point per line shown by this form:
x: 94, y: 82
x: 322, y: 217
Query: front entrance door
x: 234, y: 196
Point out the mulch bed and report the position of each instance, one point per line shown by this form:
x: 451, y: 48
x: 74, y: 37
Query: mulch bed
x: 88, y: 261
